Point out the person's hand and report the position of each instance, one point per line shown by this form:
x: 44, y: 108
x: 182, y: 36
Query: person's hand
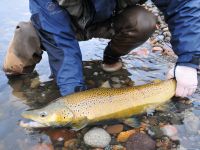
x: 186, y: 78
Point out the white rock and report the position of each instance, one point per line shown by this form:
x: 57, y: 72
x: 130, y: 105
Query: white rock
x: 169, y: 130
x: 97, y: 137
x: 106, y: 85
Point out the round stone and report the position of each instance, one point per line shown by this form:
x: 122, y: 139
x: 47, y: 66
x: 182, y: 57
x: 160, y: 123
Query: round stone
x: 97, y: 137
x: 140, y: 141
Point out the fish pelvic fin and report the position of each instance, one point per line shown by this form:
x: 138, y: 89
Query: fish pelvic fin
x: 80, y: 124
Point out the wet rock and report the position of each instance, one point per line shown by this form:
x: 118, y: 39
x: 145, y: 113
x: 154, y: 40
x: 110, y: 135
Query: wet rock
x: 157, y: 49
x: 35, y: 83
x: 169, y: 130
x: 98, y: 149
x: 165, y: 29
x: 95, y: 73
x: 42, y: 146
x: 88, y: 67
x: 106, y: 85
x: 116, y: 85
x: 155, y: 132
x: 140, y: 141
x: 115, y: 129
x: 118, y: 147
x: 123, y: 136
x: 115, y: 79
x: 168, y: 50
x: 97, y: 137
x: 58, y: 134
x: 141, y: 52
x: 71, y: 144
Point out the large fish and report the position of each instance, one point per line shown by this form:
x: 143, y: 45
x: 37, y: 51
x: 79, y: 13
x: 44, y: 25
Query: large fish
x: 100, y: 104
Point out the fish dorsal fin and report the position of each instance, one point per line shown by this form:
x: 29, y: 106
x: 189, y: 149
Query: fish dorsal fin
x: 80, y: 123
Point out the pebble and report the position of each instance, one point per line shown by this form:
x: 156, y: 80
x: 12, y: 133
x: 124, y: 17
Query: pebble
x: 97, y: 137
x: 155, y: 132
x: 168, y: 51
x: 35, y: 83
x: 95, y: 73
x: 57, y: 134
x: 106, y: 85
x: 141, y: 52
x: 165, y: 29
x: 116, y: 85
x: 118, y: 147
x: 156, y: 49
x: 115, y: 79
x: 88, y: 67
x: 123, y: 136
x: 169, y: 130
x: 42, y: 146
x: 71, y: 144
x: 140, y: 141
x: 115, y: 129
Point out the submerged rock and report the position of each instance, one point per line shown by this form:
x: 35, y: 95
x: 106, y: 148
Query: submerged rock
x: 140, y: 141
x: 118, y: 147
x: 106, y: 84
x: 71, y: 144
x: 97, y: 137
x: 123, y: 136
x: 43, y: 146
x: 169, y: 131
x: 114, y: 129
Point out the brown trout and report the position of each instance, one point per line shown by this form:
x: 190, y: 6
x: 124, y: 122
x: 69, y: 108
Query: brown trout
x: 100, y: 104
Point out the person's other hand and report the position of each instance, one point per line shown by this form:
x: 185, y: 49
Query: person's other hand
x: 186, y: 78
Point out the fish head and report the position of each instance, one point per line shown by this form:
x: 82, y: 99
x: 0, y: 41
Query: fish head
x: 53, y: 115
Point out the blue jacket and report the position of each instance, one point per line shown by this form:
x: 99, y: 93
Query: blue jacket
x: 55, y: 29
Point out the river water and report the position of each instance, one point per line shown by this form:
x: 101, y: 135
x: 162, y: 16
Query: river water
x: 19, y: 93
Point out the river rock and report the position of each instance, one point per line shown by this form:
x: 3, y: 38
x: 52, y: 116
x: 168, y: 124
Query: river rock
x: 97, y: 137
x: 140, y: 141
x: 123, y: 136
x: 115, y: 79
x: 114, y: 129
x: 35, y: 83
x: 106, y: 85
x: 169, y: 130
x: 71, y: 144
x: 42, y: 146
x: 157, y: 49
x: 118, y: 147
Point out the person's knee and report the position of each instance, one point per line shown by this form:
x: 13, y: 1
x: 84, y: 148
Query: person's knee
x: 137, y: 21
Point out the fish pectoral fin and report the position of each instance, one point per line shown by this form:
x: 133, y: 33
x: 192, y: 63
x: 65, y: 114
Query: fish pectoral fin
x: 80, y: 124
x: 132, y: 122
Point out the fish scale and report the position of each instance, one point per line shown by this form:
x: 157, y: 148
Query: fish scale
x: 102, y: 104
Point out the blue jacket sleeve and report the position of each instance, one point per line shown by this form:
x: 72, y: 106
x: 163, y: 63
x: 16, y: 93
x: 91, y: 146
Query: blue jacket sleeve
x: 183, y: 18
x: 58, y: 39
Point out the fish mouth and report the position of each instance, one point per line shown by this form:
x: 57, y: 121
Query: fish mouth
x: 31, y: 124
x: 28, y: 122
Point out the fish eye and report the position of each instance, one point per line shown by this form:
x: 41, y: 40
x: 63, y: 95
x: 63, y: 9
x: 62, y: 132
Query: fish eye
x: 43, y: 114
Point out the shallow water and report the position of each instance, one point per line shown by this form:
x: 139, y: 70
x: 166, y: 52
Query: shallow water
x: 17, y: 95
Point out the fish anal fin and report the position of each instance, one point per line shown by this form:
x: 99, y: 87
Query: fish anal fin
x: 80, y: 124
